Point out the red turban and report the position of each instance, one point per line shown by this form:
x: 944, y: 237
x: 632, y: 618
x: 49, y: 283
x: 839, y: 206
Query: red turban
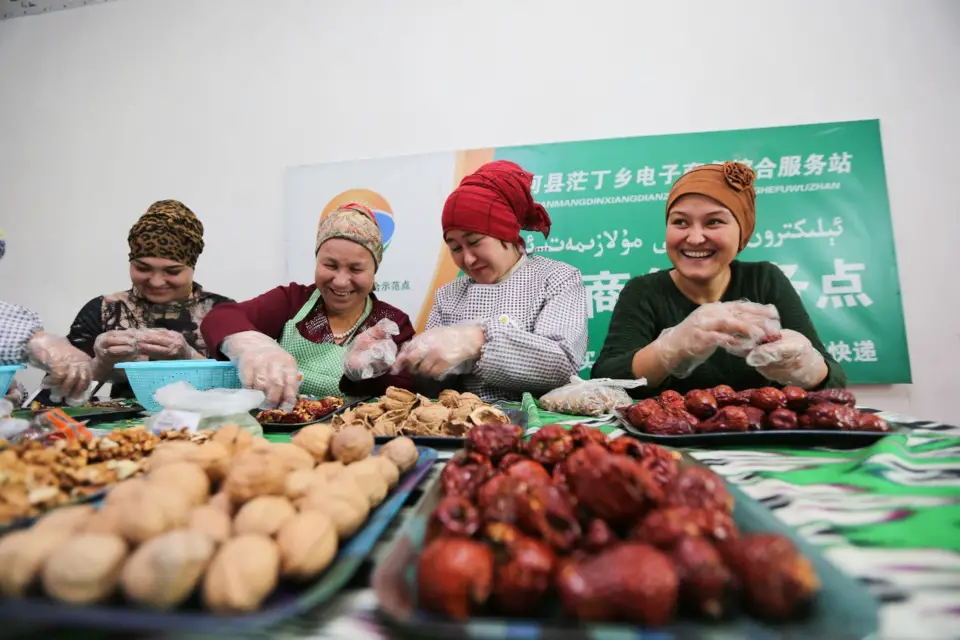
x: 495, y: 201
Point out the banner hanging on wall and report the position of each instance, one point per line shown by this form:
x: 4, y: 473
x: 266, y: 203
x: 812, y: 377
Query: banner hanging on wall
x: 823, y: 217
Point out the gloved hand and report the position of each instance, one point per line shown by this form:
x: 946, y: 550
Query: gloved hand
x: 163, y: 344
x: 70, y: 370
x: 442, y: 351
x: 16, y: 394
x: 112, y: 347
x: 265, y: 365
x: 372, y: 352
x: 791, y: 360
x: 737, y: 327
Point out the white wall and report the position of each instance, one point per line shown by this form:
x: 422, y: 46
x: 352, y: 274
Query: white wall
x: 108, y: 108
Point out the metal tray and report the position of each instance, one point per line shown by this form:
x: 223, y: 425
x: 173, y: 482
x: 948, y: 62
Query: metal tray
x: 286, y: 601
x: 283, y: 427
x: 843, y: 609
x: 780, y: 438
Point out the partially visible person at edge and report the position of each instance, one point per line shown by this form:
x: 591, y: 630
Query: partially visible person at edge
x: 708, y: 321
x: 511, y: 323
x: 23, y: 341
x: 159, y: 317
x: 308, y: 328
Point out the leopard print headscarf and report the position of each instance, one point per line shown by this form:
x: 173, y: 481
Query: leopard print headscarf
x: 167, y: 230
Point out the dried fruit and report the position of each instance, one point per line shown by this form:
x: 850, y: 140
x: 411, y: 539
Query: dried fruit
x: 351, y: 444
x: 255, y: 473
x: 299, y: 483
x: 308, y: 544
x: 164, y: 570
x: 294, y: 457
x: 328, y: 471
x: 188, y: 479
x: 211, y: 522
x: 315, y: 439
x: 243, y: 572
x: 369, y: 478
x: 84, y: 569
x: 388, y: 470
x: 402, y: 452
x: 234, y: 439
x: 65, y: 519
x: 263, y: 515
x: 343, y: 502
x: 155, y: 510
x: 22, y: 554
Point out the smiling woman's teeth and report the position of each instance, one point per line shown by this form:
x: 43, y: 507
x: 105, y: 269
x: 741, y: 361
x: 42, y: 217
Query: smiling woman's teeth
x: 697, y: 254
x: 341, y: 294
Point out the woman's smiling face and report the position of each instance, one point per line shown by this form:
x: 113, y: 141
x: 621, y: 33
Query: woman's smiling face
x: 702, y: 239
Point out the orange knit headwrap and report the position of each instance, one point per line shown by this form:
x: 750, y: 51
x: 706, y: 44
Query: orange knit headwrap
x: 730, y: 184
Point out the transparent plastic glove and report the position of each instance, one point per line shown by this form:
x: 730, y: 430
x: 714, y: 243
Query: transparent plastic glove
x: 442, y: 351
x: 70, y: 370
x: 737, y: 327
x: 790, y: 360
x: 373, y: 352
x: 264, y: 365
x: 16, y: 394
x: 163, y: 344
x: 112, y: 347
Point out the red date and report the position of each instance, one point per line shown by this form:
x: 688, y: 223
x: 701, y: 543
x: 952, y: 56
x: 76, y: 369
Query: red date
x: 701, y: 403
x: 768, y: 399
x: 729, y: 419
x: 781, y: 420
x: 833, y: 416
x: 796, y: 399
x: 671, y: 398
x: 834, y: 396
x: 665, y: 424
x: 725, y: 395
x: 756, y: 417
x: 872, y: 422
x: 639, y: 413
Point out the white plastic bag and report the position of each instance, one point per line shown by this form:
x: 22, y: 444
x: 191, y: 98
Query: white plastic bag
x: 185, y: 406
x: 590, y: 397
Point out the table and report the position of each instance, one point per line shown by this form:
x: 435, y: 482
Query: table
x: 888, y: 514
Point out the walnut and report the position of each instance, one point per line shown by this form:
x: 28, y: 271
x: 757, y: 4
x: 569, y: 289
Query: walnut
x: 387, y: 469
x: 369, y: 411
x: 155, y: 510
x: 329, y: 470
x: 242, y: 574
x: 213, y: 458
x: 351, y: 444
x: 255, y: 473
x: 308, y: 544
x: 402, y: 452
x: 189, y: 479
x: 170, y: 452
x: 164, y: 571
x: 66, y: 519
x: 211, y: 522
x: 235, y: 439
x: 343, y: 501
x: 315, y: 440
x: 293, y: 456
x: 368, y: 477
x: 263, y: 515
x: 85, y: 569
x: 222, y: 502
x: 299, y: 483
x: 22, y: 554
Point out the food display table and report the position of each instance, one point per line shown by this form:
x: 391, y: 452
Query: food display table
x: 888, y: 514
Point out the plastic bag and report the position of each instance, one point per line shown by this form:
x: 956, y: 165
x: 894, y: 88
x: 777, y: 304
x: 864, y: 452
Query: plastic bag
x: 590, y: 397
x: 185, y: 406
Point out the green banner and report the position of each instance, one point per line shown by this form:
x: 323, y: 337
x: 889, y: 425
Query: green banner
x: 822, y: 216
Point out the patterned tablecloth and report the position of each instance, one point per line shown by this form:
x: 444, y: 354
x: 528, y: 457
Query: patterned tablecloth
x: 888, y: 514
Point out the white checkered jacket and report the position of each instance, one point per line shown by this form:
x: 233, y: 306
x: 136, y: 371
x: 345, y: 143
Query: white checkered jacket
x: 17, y: 326
x: 535, y: 324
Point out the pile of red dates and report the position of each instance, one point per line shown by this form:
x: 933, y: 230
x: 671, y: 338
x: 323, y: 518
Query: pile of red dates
x: 616, y: 530
x: 723, y: 410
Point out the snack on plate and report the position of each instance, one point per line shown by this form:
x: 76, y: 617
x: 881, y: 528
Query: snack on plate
x: 227, y: 515
x: 723, y: 410
x: 306, y: 410
x: 401, y: 412
x: 613, y: 530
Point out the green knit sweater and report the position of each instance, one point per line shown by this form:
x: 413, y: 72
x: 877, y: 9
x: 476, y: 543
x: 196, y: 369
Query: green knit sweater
x: 651, y: 303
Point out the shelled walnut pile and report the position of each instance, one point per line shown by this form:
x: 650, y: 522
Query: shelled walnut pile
x: 401, y: 412
x: 36, y: 476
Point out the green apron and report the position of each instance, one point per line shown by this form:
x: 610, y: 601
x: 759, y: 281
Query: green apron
x: 321, y: 363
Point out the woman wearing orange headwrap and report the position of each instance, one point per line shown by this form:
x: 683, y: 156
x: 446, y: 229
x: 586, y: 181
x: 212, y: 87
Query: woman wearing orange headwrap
x: 511, y: 323
x: 711, y: 319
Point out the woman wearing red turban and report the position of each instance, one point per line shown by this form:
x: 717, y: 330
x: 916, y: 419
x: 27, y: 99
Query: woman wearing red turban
x: 512, y: 322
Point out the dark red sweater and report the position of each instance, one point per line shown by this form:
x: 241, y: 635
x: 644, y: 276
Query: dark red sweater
x: 269, y: 312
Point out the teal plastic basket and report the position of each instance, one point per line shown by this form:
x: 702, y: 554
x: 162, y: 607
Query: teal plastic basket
x: 146, y: 377
x: 6, y: 376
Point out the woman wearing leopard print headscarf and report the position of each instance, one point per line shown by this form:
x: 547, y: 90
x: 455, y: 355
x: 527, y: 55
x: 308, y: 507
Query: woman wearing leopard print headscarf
x: 159, y: 317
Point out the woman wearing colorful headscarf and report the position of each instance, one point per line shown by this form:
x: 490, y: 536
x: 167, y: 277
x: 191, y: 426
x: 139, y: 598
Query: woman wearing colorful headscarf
x: 159, y: 317
x: 712, y: 319
x: 511, y: 323
x: 300, y: 329
x: 23, y: 341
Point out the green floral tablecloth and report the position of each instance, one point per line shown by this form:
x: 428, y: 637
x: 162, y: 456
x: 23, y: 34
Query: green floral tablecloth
x: 888, y: 514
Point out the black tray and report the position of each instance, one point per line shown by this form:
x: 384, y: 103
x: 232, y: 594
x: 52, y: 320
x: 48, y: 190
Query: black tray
x: 283, y: 427
x: 287, y: 600
x: 780, y: 438
x: 844, y: 608
x: 517, y: 416
x: 89, y: 415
